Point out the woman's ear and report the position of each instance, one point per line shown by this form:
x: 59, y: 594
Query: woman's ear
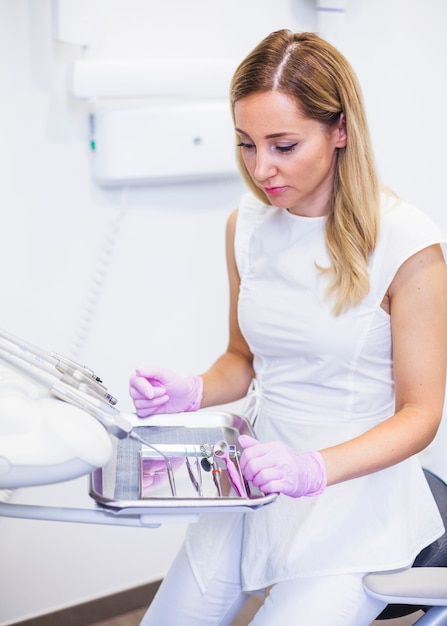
x: 341, y: 132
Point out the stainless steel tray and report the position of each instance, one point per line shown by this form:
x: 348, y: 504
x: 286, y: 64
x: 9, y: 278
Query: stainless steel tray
x: 136, y: 480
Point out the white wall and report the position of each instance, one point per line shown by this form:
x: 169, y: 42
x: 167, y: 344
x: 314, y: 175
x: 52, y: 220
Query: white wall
x: 164, y: 298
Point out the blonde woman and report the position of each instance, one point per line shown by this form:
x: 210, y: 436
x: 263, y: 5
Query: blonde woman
x: 338, y: 313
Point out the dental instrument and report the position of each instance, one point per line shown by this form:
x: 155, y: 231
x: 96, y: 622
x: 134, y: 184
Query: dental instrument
x: 226, y: 452
x: 207, y: 450
x: 197, y: 483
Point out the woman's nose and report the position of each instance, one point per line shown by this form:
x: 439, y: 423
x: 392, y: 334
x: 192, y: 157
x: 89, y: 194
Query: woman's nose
x: 264, y: 166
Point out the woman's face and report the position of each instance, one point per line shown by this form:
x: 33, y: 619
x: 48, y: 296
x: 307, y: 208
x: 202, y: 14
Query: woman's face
x: 289, y: 156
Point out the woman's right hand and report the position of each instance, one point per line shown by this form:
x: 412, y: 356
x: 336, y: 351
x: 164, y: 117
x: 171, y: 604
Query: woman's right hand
x: 158, y: 390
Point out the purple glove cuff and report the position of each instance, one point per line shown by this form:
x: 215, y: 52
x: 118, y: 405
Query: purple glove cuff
x: 320, y: 472
x: 196, y: 392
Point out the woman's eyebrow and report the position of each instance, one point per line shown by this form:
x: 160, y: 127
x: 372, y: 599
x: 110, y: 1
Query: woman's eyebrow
x: 271, y: 136
x: 279, y: 135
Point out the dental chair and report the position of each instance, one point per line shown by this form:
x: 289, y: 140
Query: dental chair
x: 424, y: 585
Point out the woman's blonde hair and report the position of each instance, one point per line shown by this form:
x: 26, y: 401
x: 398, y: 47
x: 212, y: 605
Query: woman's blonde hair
x: 311, y: 70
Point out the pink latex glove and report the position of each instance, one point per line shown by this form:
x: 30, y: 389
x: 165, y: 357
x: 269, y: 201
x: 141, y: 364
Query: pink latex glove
x: 157, y: 390
x: 275, y: 468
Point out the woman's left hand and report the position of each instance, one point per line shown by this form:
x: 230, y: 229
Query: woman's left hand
x: 274, y: 467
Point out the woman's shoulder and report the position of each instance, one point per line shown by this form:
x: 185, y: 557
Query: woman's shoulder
x: 404, y: 223
x: 404, y: 231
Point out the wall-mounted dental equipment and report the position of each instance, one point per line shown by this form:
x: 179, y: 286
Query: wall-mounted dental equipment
x: 157, y: 121
x: 58, y: 421
x: 171, y: 142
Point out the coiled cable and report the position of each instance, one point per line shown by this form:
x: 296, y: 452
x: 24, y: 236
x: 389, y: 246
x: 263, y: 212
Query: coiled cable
x: 99, y: 277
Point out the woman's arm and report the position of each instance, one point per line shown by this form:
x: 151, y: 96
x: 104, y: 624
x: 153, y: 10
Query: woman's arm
x: 229, y: 377
x: 418, y: 309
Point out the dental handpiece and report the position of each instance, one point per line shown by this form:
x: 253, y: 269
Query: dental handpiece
x: 53, y: 365
x: 83, y: 377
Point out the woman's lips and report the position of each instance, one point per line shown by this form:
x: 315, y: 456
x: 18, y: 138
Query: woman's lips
x: 273, y: 191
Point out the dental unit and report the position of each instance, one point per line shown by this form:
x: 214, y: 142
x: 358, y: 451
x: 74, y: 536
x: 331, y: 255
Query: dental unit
x: 76, y: 384
x: 58, y: 422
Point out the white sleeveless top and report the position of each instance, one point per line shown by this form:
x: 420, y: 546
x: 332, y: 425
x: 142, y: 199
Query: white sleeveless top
x: 321, y: 380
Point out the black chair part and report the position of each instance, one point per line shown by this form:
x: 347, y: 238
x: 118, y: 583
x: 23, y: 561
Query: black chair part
x: 434, y: 555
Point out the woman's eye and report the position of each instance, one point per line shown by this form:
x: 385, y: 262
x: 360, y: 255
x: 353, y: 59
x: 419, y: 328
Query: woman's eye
x: 288, y: 148
x: 282, y: 149
x: 247, y: 146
